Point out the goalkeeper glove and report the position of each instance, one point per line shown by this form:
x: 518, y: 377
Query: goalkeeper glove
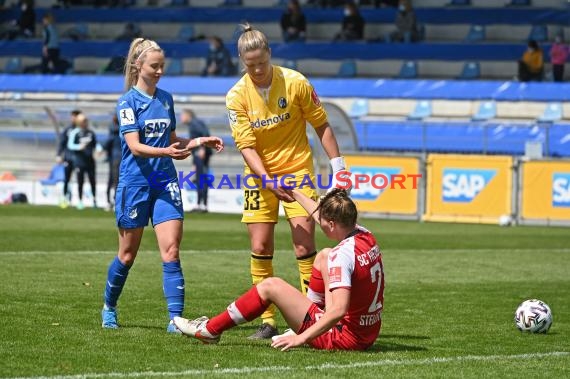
x: 341, y: 177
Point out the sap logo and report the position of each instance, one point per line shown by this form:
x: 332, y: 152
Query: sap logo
x: 561, y: 189
x: 374, y: 187
x: 463, y: 185
x: 156, y: 127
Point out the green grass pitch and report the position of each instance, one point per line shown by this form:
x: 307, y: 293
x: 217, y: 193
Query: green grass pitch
x: 451, y: 292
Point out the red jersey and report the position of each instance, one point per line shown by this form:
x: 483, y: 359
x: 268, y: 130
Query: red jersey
x: 356, y: 264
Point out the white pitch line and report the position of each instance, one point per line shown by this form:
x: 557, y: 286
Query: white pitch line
x: 324, y: 366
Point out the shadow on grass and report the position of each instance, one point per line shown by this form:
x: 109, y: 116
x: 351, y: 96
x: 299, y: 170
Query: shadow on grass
x: 383, y: 347
x: 402, y: 337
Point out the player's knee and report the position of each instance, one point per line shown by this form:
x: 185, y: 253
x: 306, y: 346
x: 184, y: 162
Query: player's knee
x: 127, y: 257
x: 302, y: 251
x: 268, y: 287
x: 171, y: 254
x: 260, y: 248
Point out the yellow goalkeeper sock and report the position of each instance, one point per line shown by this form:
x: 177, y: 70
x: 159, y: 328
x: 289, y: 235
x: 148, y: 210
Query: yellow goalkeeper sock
x: 261, y: 267
x: 305, y: 268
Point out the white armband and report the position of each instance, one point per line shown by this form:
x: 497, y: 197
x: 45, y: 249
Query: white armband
x: 198, y: 141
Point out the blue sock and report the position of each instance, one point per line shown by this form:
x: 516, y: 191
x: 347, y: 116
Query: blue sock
x: 116, y: 278
x: 173, y: 286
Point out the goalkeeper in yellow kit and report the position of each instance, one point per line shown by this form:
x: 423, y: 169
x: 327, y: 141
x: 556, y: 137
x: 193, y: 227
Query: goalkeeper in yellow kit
x: 268, y: 109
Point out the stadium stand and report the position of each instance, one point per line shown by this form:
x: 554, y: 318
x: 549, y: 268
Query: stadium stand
x: 504, y: 31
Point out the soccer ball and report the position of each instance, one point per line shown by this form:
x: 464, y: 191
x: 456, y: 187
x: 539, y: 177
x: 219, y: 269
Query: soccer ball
x: 533, y: 316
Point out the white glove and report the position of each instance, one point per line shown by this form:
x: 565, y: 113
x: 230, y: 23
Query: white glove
x: 341, y: 177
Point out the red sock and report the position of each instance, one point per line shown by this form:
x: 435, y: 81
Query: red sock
x: 316, y: 292
x: 316, y: 283
x: 247, y: 307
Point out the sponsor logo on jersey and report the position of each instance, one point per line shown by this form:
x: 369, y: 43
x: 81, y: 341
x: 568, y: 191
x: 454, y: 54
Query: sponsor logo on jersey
x: 156, y: 127
x: 380, y: 178
x: 126, y: 116
x: 315, y: 98
x: 282, y: 102
x: 463, y: 185
x: 335, y: 275
x: 561, y: 189
x: 270, y: 121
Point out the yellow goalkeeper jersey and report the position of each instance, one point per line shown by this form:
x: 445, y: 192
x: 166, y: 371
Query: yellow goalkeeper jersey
x: 275, y: 124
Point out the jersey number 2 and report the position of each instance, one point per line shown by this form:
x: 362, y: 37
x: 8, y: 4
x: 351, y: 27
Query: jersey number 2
x: 376, y: 274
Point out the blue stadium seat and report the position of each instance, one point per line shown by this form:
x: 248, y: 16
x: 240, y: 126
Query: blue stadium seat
x: 14, y: 66
x: 56, y: 175
x: 421, y: 111
x: 186, y: 33
x: 78, y: 32
x: 476, y: 33
x: 359, y: 108
x: 347, y: 69
x: 237, y: 32
x: 409, y: 70
x: 539, y: 33
x: 518, y: 3
x: 178, y: 3
x: 471, y: 70
x: 552, y: 112
x: 175, y: 67
x: 290, y: 63
x: 232, y: 3
x: 487, y: 110
x: 459, y: 2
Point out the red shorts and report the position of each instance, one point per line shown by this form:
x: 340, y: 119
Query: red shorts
x: 337, y: 338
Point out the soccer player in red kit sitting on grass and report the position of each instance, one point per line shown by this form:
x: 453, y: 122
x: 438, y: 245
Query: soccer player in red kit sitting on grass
x: 330, y: 316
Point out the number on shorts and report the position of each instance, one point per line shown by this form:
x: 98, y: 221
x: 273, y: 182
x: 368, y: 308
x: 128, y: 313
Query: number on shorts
x: 376, y: 274
x: 251, y: 200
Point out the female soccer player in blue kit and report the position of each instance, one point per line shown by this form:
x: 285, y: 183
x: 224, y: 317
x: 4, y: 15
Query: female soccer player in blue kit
x: 148, y: 181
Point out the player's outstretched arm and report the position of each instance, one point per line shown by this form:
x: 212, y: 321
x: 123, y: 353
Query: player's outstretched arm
x: 306, y: 202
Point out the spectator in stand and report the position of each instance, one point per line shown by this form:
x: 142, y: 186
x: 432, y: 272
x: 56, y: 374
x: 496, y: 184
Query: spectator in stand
x: 219, y: 61
x: 406, y: 25
x: 293, y: 22
x: 50, y: 49
x: 558, y: 56
x: 386, y: 3
x: 531, y: 65
x: 130, y: 32
x: 24, y: 26
x: 352, y: 24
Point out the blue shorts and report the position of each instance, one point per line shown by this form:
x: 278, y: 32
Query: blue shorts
x: 136, y: 204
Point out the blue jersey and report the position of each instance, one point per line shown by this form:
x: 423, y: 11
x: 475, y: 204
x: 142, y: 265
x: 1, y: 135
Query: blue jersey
x: 153, y: 119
